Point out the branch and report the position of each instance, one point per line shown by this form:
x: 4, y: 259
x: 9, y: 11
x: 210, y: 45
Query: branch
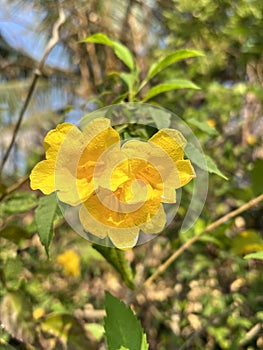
x: 191, y: 241
x: 14, y: 187
x: 37, y: 73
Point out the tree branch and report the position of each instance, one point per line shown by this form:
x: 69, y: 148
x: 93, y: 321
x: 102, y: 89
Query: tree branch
x: 37, y: 73
x: 191, y: 241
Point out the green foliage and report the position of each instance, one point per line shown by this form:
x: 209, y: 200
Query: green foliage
x: 16, y: 316
x: 122, y: 329
x: 205, y: 163
x: 18, y: 202
x: 44, y: 215
x: 121, y: 51
x: 257, y: 255
x: 169, y: 85
x: 66, y: 329
x: 116, y: 258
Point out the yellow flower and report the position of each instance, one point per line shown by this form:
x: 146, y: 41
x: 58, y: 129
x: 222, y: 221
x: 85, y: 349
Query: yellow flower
x: 38, y: 313
x: 120, y: 188
x: 70, y: 262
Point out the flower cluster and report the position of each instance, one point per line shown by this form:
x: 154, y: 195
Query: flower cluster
x: 118, y: 186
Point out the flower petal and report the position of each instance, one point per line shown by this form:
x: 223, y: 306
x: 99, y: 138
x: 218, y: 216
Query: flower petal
x: 42, y: 176
x: 106, y: 208
x: 98, y: 136
x: 55, y: 138
x: 124, y: 238
x: 185, y: 170
x: 156, y: 224
x: 90, y: 224
x: 171, y: 141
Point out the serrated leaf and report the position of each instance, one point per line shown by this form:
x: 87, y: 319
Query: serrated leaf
x: 122, y: 329
x: 169, y: 85
x: 68, y: 329
x: 16, y: 316
x: 257, y: 255
x: 116, y: 258
x: 121, y: 51
x: 203, y: 161
x: 44, y: 216
x: 203, y: 126
x: 18, y: 202
x: 166, y: 61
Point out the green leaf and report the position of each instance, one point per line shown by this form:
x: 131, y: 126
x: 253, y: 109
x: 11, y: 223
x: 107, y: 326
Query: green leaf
x: 97, y: 330
x: 257, y: 255
x: 67, y: 329
x: 116, y: 258
x: 15, y: 233
x: 256, y: 177
x: 16, y: 316
x: 122, y: 329
x: 166, y: 61
x: 44, y: 216
x: 204, y: 127
x: 247, y: 241
x: 121, y: 51
x: 18, y: 202
x: 213, y: 169
x: 203, y: 161
x: 169, y: 85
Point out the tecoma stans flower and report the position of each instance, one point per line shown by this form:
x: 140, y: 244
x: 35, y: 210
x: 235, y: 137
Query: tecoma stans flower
x: 118, y: 186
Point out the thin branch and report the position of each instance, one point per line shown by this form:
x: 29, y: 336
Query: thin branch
x: 191, y: 241
x: 14, y: 187
x: 37, y: 73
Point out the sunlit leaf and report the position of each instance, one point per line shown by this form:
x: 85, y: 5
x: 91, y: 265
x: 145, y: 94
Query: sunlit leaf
x: 68, y: 329
x: 116, y: 258
x: 169, y: 85
x: 16, y: 316
x: 44, y: 216
x: 121, y: 51
x: 97, y: 330
x: 247, y: 241
x: 122, y: 329
x: 18, y: 202
x: 257, y: 255
x: 166, y: 61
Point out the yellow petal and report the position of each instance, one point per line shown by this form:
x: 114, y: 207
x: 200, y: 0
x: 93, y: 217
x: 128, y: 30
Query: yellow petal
x: 55, y: 138
x: 106, y: 208
x: 98, y: 136
x: 171, y: 141
x: 156, y: 224
x: 42, y: 176
x: 90, y: 224
x: 124, y: 238
x: 152, y: 164
x: 185, y: 170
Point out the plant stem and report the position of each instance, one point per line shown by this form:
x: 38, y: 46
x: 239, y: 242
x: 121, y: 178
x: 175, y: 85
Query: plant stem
x: 191, y: 241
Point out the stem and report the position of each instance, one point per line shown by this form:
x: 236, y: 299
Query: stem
x: 37, y: 73
x: 191, y: 241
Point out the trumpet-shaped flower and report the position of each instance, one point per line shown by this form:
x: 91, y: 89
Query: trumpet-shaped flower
x: 119, y: 187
